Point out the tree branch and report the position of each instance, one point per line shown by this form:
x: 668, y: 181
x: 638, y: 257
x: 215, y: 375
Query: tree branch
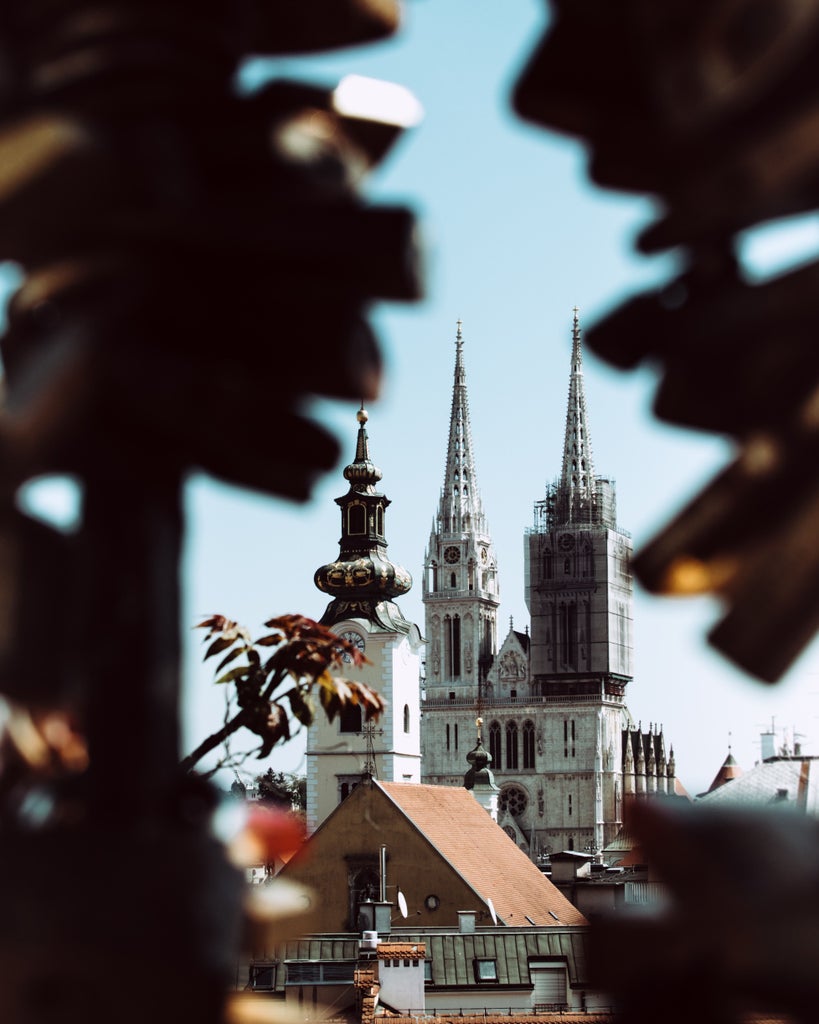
x: 213, y: 741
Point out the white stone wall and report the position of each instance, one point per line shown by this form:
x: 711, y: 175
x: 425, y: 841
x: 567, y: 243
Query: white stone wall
x: 394, y: 671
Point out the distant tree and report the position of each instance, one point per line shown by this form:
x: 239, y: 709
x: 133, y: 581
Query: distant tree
x: 282, y: 789
x: 307, y: 656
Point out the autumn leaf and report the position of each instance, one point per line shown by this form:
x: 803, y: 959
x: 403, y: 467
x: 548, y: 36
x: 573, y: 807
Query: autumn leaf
x: 301, y: 706
x: 308, y: 652
x: 218, y: 645
x: 234, y: 674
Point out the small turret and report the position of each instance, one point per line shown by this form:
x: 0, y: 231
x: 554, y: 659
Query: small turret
x: 362, y: 580
x: 479, y: 779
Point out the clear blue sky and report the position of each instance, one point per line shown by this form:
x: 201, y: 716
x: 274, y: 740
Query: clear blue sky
x: 514, y: 237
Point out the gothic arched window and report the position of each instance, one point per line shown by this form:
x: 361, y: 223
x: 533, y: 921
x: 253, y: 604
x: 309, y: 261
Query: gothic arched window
x: 512, y: 745
x: 379, y: 520
x: 528, y: 745
x: 495, y: 744
x: 406, y: 718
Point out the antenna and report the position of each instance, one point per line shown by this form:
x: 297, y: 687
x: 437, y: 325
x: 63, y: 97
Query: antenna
x: 402, y: 903
x: 492, y: 913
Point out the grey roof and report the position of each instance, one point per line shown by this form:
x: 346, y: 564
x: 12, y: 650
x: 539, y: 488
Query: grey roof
x: 452, y: 953
x: 791, y: 782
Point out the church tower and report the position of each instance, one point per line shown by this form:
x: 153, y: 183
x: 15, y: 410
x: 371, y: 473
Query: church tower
x: 579, y: 594
x: 363, y: 583
x: 460, y: 594
x: 578, y: 582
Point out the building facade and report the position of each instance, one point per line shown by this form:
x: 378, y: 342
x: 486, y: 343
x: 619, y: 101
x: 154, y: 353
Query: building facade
x: 363, y: 583
x: 565, y: 751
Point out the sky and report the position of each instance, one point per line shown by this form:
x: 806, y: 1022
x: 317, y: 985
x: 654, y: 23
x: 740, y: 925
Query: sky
x: 514, y: 236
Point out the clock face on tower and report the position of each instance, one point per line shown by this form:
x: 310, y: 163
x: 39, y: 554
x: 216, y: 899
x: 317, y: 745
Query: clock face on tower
x: 566, y: 542
x: 452, y: 554
x: 356, y: 639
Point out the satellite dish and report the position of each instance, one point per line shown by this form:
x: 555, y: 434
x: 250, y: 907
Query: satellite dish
x: 402, y: 903
x: 492, y: 913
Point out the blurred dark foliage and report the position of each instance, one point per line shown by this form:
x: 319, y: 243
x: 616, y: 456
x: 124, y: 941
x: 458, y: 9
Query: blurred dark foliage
x: 711, y: 108
x: 196, y: 265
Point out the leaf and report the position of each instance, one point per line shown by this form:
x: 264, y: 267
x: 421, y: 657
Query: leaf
x: 271, y: 640
x: 219, y: 645
x: 228, y: 659
x: 301, y: 706
x: 235, y: 673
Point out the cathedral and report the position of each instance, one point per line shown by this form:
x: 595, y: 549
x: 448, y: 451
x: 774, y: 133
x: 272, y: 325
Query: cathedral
x: 549, y: 702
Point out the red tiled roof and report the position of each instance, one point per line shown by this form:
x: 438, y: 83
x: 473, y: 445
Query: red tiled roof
x: 483, y: 854
x: 401, y: 950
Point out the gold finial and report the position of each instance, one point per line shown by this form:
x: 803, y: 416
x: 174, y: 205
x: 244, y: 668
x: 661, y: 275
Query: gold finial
x: 362, y: 415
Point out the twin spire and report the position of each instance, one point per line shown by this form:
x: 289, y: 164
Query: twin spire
x: 576, y: 489
x: 460, y: 508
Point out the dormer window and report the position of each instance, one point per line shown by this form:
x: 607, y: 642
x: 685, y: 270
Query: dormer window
x: 486, y: 970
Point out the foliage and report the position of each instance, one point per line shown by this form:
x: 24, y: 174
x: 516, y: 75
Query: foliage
x: 307, y: 655
x: 282, y: 789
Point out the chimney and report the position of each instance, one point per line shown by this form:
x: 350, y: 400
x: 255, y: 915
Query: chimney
x: 466, y: 921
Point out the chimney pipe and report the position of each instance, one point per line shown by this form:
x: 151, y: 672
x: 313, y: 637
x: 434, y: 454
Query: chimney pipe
x: 383, y: 875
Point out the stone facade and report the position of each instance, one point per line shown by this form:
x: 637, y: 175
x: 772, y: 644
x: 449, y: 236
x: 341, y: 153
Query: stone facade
x: 565, y: 750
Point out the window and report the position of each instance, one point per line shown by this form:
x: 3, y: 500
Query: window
x: 406, y: 718
x: 349, y: 718
x: 486, y: 970
x: 528, y: 745
x: 428, y: 972
x: 379, y: 520
x: 495, y: 744
x: 568, y: 634
x: 512, y: 746
x: 310, y: 972
x: 356, y: 519
x: 514, y: 800
x: 452, y: 639
x: 566, y: 733
x: 262, y: 977
x: 447, y: 737
x: 456, y: 735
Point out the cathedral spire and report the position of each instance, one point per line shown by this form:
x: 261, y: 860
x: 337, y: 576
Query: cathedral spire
x: 460, y: 508
x: 577, y: 482
x: 460, y: 569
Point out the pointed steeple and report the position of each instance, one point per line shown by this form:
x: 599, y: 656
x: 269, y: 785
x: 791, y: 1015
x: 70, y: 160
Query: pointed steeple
x: 460, y: 569
x: 363, y: 580
x: 577, y: 482
x: 460, y: 508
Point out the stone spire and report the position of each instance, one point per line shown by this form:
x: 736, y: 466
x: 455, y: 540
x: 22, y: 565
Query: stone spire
x: 460, y: 508
x: 363, y: 580
x: 576, y: 489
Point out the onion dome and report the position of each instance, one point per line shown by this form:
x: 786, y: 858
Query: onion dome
x: 363, y: 581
